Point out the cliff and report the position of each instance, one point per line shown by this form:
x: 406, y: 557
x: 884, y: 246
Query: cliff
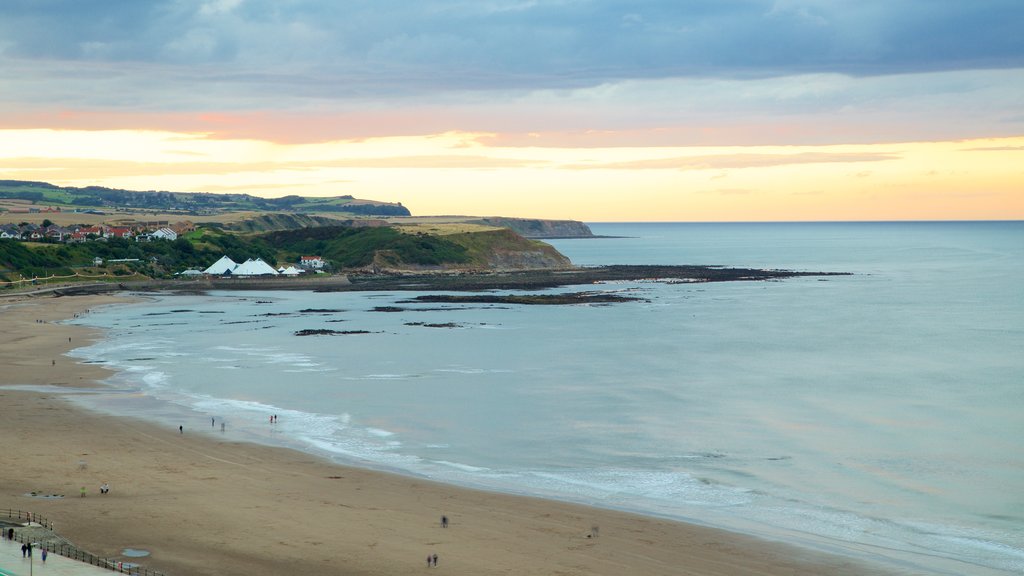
x: 508, y: 250
x: 538, y: 229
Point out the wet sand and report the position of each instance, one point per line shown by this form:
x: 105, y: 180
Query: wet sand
x: 203, y: 504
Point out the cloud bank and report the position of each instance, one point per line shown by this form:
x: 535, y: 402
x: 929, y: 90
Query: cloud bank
x: 451, y: 105
x: 493, y: 65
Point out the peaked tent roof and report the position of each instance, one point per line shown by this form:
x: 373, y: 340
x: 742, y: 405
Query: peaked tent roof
x: 222, y: 266
x: 290, y: 271
x: 255, y: 267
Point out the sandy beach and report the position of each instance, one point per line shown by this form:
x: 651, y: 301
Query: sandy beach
x: 202, y: 503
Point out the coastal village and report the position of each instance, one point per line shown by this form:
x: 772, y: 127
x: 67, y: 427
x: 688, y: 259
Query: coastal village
x: 138, y: 231
x: 150, y: 231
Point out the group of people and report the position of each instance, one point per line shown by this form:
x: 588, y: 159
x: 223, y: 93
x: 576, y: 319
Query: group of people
x: 104, y: 489
x: 432, y: 558
x: 213, y: 423
x: 26, y: 551
x: 26, y: 548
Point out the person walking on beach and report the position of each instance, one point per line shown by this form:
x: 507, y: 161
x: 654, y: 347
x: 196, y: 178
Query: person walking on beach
x: 444, y: 521
x: 211, y: 422
x: 23, y: 548
x: 435, y: 560
x: 181, y: 429
x: 44, y: 555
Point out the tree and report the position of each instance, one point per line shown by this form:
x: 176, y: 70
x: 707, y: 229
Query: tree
x: 184, y: 246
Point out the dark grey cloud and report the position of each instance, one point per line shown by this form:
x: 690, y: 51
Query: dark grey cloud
x: 481, y: 44
x: 665, y: 71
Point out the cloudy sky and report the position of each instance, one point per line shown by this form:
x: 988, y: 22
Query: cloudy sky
x: 688, y: 110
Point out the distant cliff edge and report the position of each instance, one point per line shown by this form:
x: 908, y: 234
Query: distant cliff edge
x: 538, y: 229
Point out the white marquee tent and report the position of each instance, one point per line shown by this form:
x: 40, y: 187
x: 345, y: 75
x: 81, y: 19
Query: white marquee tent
x: 223, y: 266
x: 255, y: 267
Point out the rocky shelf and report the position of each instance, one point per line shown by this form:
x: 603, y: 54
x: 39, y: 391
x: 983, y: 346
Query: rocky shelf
x: 539, y: 279
x: 535, y: 299
x: 455, y: 281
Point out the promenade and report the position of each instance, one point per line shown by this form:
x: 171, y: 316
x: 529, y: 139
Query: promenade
x: 12, y: 564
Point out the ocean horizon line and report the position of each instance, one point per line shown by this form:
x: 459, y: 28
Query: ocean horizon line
x: 968, y: 221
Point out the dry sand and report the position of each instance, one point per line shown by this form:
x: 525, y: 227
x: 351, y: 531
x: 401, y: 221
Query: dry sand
x: 203, y: 504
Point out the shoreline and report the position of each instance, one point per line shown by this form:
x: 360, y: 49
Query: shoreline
x: 208, y: 505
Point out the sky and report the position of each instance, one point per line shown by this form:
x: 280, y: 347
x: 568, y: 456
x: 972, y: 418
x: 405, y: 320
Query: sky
x: 593, y: 110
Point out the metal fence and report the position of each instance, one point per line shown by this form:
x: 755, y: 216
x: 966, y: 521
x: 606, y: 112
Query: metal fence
x: 57, y: 545
x: 28, y: 517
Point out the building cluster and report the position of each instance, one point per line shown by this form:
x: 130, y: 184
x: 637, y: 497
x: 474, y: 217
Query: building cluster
x: 149, y: 231
x: 138, y: 231
x: 35, y: 209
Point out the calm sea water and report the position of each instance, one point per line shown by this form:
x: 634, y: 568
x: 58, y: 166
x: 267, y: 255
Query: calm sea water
x: 875, y: 415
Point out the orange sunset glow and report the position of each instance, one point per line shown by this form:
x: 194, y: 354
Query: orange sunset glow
x: 209, y: 101
x: 460, y: 174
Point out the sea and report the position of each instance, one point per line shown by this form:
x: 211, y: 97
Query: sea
x: 877, y: 415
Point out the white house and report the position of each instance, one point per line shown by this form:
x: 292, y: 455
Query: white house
x: 164, y: 234
x: 312, y: 262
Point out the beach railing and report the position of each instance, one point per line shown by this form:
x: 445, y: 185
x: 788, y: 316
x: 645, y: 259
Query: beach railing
x: 53, y: 277
x: 12, y: 514
x: 57, y: 545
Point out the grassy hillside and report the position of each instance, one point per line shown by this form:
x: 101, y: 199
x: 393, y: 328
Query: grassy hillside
x: 215, y: 242
x: 35, y: 192
x: 401, y: 247
x: 348, y: 247
x: 277, y: 221
x: 503, y: 248
x: 99, y: 197
x: 17, y: 259
x: 379, y: 248
x: 152, y: 259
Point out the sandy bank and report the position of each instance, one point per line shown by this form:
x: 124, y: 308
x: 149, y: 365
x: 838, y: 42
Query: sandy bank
x: 203, y: 503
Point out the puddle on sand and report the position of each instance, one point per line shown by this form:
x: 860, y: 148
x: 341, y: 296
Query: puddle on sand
x: 133, y: 553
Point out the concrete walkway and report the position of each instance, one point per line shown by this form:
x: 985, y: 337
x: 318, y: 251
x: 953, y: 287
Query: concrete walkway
x: 12, y: 564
